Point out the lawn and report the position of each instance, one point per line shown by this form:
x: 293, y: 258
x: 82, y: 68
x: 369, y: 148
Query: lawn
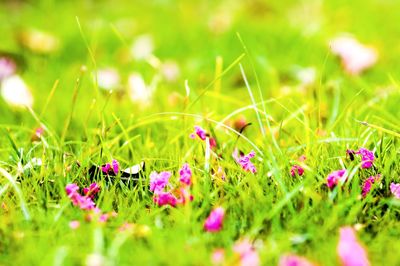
x: 205, y: 132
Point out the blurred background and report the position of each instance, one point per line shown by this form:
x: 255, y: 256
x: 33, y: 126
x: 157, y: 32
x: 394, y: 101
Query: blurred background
x: 143, y: 51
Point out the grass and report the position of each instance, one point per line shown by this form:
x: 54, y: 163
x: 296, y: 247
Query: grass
x: 227, y: 76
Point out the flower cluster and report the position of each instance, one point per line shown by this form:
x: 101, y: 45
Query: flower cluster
x: 162, y: 189
x: 367, y: 157
x: 111, y: 167
x: 84, y: 202
x: 244, y: 161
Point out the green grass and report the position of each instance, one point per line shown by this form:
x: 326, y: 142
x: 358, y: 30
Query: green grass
x: 280, y: 213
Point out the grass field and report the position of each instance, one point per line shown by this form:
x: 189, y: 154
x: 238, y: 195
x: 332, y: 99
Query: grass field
x: 130, y: 80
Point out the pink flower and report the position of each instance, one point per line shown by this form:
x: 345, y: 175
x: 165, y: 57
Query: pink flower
x: 355, y: 56
x: 74, y: 224
x: 350, y: 252
x: 201, y: 133
x: 367, y: 185
x: 395, y: 189
x: 336, y: 176
x: 296, y: 169
x: 165, y: 198
x: 115, y: 166
x: 293, y: 260
x: 92, y: 190
x: 214, y: 221
x: 248, y: 255
x: 367, y: 157
x: 159, y: 181
x: 84, y: 202
x: 185, y: 174
x: 244, y: 161
x: 218, y: 256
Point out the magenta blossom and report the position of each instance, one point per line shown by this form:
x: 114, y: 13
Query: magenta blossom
x: 92, y: 190
x: 244, y: 161
x: 395, y: 189
x: 159, y: 181
x: 335, y: 177
x: 165, y: 198
x: 350, y: 251
x: 296, y: 169
x: 114, y: 166
x: 247, y: 253
x: 293, y: 260
x: 214, y: 221
x: 367, y: 157
x: 84, y: 202
x: 185, y: 175
x: 367, y: 185
x: 200, y: 132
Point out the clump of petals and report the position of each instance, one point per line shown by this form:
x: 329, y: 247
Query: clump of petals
x: 165, y: 198
x: 350, y: 251
x: 247, y: 253
x: 244, y: 161
x: 335, y: 177
x: 296, y: 169
x: 294, y: 260
x: 84, y: 202
x: 185, y: 175
x: 367, y: 157
x: 395, y: 189
x: 367, y: 185
x: 158, y: 181
x: 92, y: 190
x: 200, y: 132
x: 214, y: 221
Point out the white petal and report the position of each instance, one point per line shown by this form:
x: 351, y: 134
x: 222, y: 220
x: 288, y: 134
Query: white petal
x: 15, y: 92
x: 143, y: 47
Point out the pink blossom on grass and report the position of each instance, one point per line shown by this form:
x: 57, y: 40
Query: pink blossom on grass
x: 294, y: 260
x: 158, y: 181
x: 92, y: 190
x: 114, y: 166
x: 335, y: 177
x: 214, y: 221
x: 367, y: 185
x: 185, y: 175
x: 247, y: 253
x: 244, y: 161
x: 296, y: 169
x: 165, y: 198
x: 350, y: 251
x: 84, y: 202
x: 395, y: 189
x: 184, y: 195
x: 367, y: 157
x: 200, y: 132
